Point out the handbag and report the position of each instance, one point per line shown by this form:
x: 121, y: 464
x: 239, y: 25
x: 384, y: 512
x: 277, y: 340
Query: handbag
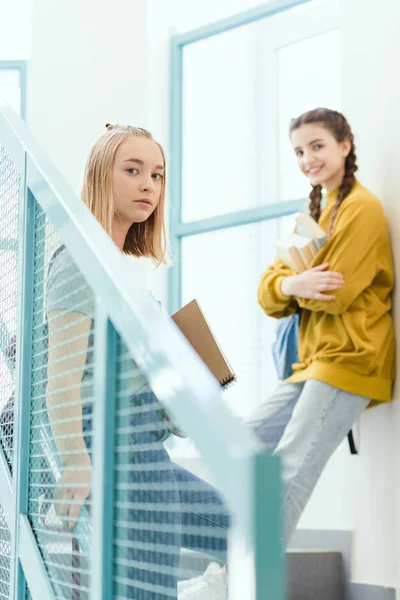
x: 285, y: 353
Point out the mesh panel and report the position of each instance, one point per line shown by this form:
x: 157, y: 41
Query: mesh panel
x: 9, y: 206
x: 62, y: 376
x: 5, y: 553
x: 168, y: 524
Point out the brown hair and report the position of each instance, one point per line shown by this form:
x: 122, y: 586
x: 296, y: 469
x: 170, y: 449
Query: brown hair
x: 336, y: 123
x: 143, y: 239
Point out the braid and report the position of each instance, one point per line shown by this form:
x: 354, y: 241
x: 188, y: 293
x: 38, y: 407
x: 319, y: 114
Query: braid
x: 347, y: 183
x: 315, y: 202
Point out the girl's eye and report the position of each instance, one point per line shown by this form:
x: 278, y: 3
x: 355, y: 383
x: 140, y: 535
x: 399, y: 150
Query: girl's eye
x: 299, y: 153
x: 317, y: 147
x: 157, y: 176
x: 132, y: 170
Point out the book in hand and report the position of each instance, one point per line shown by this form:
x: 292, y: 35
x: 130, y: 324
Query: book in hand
x: 192, y: 323
x: 299, y: 249
x: 305, y: 225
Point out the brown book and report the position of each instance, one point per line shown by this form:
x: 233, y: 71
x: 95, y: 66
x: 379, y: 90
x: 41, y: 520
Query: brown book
x: 305, y: 225
x: 289, y: 251
x: 308, y: 252
x: 192, y: 322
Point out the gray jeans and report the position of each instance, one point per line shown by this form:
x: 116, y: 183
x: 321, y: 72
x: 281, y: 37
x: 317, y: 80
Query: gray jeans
x: 304, y: 423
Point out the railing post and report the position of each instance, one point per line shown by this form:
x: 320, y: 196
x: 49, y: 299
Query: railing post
x: 23, y: 382
x: 103, y: 469
x: 174, y: 297
x: 268, y: 533
x: 256, y: 566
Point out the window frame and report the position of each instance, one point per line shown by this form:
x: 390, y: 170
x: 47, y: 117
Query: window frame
x: 21, y: 66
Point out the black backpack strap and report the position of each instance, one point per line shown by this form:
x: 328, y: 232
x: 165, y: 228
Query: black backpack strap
x: 352, y: 445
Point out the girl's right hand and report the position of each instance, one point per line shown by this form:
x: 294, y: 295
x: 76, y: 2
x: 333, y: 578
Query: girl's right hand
x: 73, y: 488
x: 313, y: 283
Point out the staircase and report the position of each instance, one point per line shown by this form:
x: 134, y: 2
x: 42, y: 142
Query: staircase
x: 318, y: 567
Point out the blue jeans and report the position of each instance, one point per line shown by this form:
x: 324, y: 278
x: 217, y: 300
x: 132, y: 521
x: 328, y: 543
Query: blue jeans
x: 304, y: 423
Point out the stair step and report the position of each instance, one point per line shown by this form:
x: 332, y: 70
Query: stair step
x: 359, y: 591
x: 312, y: 574
x: 315, y: 575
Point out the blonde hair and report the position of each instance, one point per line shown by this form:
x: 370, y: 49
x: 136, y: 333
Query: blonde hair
x: 143, y: 239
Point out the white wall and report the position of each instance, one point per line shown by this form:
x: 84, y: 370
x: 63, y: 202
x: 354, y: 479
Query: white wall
x: 371, y: 46
x: 15, y: 29
x: 89, y: 65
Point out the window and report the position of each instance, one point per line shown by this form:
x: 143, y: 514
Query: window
x: 10, y: 87
x: 219, y: 126
x: 240, y: 89
x: 222, y: 270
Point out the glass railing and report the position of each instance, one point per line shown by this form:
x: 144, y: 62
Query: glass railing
x: 81, y: 341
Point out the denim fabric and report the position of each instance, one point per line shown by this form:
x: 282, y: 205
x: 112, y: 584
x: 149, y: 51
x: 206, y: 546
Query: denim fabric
x: 164, y: 507
x: 304, y: 423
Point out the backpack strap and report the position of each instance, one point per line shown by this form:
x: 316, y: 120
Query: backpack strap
x: 352, y: 445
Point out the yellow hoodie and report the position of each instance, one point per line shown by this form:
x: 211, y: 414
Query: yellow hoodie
x: 348, y: 342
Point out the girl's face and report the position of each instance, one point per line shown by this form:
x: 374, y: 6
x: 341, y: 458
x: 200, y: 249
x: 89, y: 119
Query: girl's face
x: 319, y: 156
x: 137, y: 176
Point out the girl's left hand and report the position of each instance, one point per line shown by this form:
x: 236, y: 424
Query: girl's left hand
x: 317, y: 283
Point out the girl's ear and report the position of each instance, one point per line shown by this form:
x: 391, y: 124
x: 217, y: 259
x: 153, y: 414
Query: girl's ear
x: 346, y: 147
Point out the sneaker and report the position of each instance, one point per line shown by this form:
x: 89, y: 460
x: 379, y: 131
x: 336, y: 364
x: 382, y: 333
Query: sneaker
x: 209, y: 586
x: 212, y: 570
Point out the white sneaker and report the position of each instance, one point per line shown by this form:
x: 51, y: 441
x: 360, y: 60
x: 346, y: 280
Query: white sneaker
x: 213, y: 569
x: 209, y: 586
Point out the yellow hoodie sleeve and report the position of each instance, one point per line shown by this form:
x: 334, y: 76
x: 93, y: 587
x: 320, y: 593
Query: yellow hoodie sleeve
x: 270, y: 297
x: 354, y: 250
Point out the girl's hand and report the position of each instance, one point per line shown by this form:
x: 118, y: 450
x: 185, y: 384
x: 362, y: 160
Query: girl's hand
x: 168, y: 424
x: 313, y: 283
x: 73, y: 488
